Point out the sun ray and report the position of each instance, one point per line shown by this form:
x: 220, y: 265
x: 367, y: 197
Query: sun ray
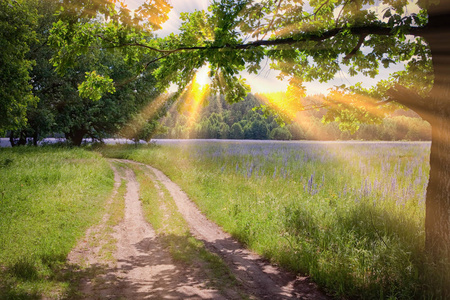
x: 293, y: 107
x: 136, y: 124
x: 194, y: 96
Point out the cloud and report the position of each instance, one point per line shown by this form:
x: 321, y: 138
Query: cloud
x: 179, y: 6
x: 265, y: 81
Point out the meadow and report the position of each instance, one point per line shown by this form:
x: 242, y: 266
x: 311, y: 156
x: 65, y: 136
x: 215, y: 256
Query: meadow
x: 350, y: 215
x: 48, y: 198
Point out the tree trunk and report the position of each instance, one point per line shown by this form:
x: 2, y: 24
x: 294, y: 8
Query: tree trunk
x: 437, y: 221
x: 76, y: 136
x: 22, y: 138
x: 35, y: 138
x: 11, y: 139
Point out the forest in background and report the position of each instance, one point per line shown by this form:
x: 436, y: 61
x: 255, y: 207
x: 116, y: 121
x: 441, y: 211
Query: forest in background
x: 221, y: 120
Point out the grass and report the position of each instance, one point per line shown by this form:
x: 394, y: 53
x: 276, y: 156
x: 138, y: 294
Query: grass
x: 48, y: 198
x: 161, y: 211
x: 349, y: 215
x: 116, y: 212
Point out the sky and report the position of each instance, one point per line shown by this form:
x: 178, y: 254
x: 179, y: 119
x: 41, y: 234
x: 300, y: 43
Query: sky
x: 266, y: 81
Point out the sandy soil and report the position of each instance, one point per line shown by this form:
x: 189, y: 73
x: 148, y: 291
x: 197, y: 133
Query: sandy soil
x: 143, y: 269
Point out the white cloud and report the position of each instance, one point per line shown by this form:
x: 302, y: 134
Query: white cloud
x: 179, y: 6
x: 265, y: 82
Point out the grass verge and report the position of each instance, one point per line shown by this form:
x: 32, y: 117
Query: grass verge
x: 48, y: 198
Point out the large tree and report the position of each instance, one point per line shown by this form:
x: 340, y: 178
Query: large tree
x: 16, y: 33
x: 61, y: 108
x: 307, y: 40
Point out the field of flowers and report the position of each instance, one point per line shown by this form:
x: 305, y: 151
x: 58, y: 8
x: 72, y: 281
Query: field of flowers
x: 349, y: 214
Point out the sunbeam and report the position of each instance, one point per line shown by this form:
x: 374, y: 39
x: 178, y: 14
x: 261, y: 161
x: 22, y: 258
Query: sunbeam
x: 194, y: 96
x: 135, y: 125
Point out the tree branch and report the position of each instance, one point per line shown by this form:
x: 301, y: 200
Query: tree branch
x: 358, y: 46
x: 125, y: 82
x: 317, y: 37
x: 362, y: 31
x: 273, y: 18
x: 342, y: 9
x: 408, y: 98
x: 318, y: 9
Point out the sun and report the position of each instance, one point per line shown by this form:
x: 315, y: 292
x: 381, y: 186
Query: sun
x: 202, y: 77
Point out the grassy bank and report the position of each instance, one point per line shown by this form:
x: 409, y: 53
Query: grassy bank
x: 48, y: 198
x: 349, y: 215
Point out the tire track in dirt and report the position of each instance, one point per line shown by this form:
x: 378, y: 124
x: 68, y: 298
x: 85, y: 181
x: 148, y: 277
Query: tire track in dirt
x: 259, y: 278
x: 144, y: 269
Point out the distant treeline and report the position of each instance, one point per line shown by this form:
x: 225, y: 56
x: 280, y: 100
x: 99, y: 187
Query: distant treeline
x: 220, y: 120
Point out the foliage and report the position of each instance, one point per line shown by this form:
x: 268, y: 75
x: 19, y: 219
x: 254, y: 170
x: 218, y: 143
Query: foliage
x: 74, y: 106
x: 16, y: 33
x: 236, y: 131
x: 305, y: 42
x: 280, y: 133
x: 95, y: 86
x: 220, y: 120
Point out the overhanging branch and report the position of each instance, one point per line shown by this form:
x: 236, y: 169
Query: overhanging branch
x: 362, y: 31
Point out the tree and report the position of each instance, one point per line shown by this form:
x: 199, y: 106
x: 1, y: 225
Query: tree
x: 313, y: 41
x: 45, y: 83
x: 16, y: 32
x: 236, y: 131
x: 280, y: 133
x: 130, y: 112
x: 256, y: 130
x: 224, y: 131
x: 296, y: 132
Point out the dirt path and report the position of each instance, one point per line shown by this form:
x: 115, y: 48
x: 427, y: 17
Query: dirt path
x: 143, y: 269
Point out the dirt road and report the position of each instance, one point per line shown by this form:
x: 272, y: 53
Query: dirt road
x: 141, y: 268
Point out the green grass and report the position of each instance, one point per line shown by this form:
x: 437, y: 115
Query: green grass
x: 349, y: 215
x: 48, y: 198
x: 161, y: 211
x: 116, y: 213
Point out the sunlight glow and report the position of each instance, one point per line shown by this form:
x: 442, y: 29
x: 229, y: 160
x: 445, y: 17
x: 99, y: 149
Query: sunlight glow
x: 195, y: 95
x: 294, y: 108
x: 135, y: 125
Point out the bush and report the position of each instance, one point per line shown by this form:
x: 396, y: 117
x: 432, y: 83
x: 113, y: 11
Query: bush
x: 236, y: 131
x: 280, y: 133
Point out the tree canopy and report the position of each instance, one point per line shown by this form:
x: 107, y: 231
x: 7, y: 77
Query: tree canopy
x: 67, y: 103
x: 16, y: 24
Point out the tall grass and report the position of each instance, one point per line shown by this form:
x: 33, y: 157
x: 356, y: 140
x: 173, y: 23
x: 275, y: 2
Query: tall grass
x: 48, y: 198
x: 349, y: 215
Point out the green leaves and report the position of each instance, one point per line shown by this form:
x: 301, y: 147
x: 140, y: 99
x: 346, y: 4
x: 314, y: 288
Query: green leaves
x: 306, y: 41
x: 95, y: 86
x: 17, y: 20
